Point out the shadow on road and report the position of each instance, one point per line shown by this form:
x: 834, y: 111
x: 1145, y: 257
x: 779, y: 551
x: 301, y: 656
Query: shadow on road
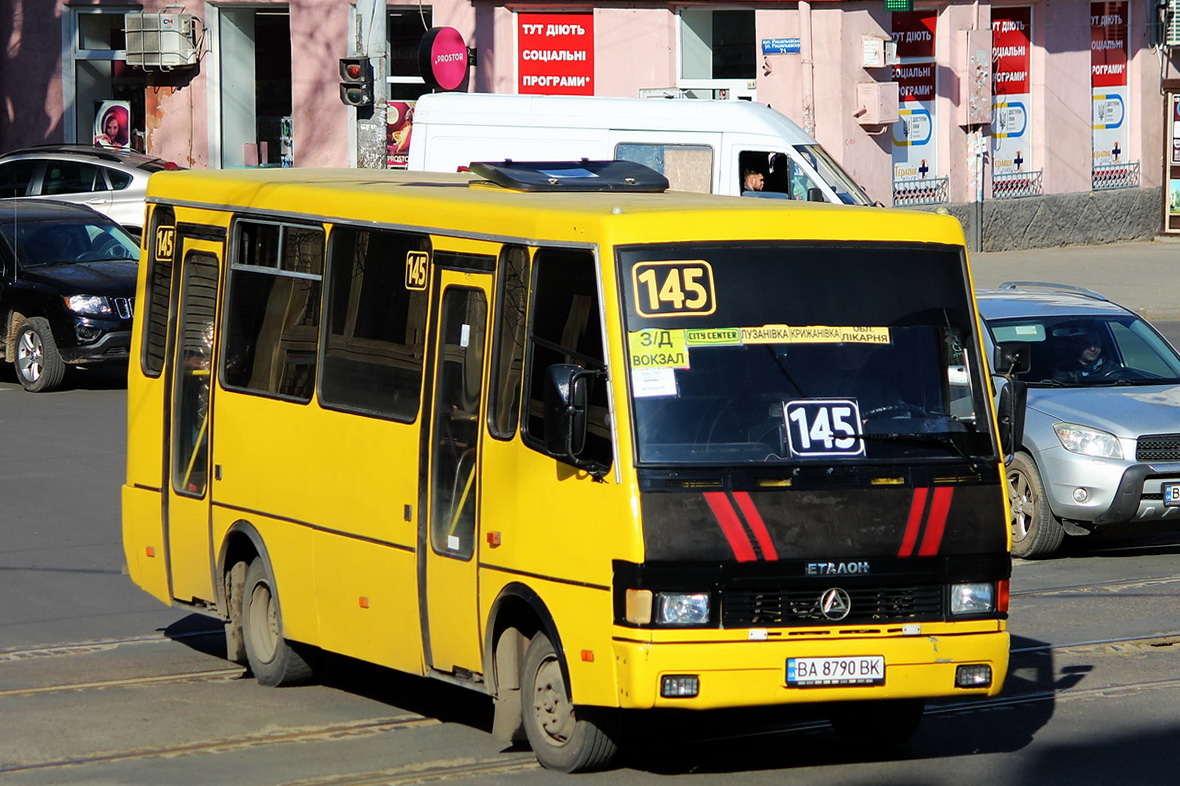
x: 1154, y: 538
x: 731, y: 741
x: 799, y: 737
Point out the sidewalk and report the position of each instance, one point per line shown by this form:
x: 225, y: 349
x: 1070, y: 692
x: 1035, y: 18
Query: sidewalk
x: 1144, y: 277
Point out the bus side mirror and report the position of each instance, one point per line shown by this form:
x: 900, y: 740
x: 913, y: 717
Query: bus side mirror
x: 567, y: 396
x: 1011, y: 358
x: 1010, y: 415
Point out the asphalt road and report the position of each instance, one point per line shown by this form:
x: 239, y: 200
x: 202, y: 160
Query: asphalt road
x: 1144, y: 277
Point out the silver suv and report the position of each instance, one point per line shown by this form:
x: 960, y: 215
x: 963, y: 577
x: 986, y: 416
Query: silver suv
x: 1102, y: 427
x: 112, y: 182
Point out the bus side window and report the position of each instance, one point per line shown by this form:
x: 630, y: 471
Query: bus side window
x: 161, y: 242
x: 376, y: 324
x: 508, y: 357
x: 274, y: 309
x: 566, y: 328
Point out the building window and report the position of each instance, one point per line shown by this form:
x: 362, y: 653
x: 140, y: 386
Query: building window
x: 405, y: 30
x: 718, y: 55
x: 100, y: 74
x: 254, y: 57
x: 717, y: 45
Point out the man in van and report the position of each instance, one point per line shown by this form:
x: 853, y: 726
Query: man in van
x: 752, y: 180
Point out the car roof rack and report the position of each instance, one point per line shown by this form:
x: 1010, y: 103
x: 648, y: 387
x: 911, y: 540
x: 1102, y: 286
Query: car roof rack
x: 583, y: 175
x: 1048, y: 285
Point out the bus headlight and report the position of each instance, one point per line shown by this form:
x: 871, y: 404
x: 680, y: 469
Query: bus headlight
x: 973, y: 598
x: 682, y: 608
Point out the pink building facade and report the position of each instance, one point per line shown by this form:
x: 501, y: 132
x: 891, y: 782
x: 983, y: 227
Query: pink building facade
x: 996, y: 111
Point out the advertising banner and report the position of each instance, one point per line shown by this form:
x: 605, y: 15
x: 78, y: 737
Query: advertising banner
x: 555, y: 54
x: 1109, y: 53
x: 1012, y: 100
x: 1173, y: 196
x: 112, y: 124
x: 399, y: 124
x: 915, y: 133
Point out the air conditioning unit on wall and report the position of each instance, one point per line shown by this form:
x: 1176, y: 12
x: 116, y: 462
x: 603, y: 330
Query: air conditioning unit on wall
x: 161, y: 40
x: 1171, y: 23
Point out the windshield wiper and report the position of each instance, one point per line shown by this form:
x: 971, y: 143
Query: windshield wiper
x: 921, y: 439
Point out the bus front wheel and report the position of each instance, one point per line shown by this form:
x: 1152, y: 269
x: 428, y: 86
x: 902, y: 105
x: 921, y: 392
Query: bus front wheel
x: 273, y: 660
x: 562, y: 739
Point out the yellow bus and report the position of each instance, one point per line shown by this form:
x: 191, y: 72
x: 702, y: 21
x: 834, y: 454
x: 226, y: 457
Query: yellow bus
x: 560, y: 436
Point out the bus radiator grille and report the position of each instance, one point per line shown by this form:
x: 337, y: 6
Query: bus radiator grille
x: 877, y: 605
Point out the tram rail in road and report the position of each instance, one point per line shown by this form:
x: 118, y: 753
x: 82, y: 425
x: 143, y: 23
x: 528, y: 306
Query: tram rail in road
x: 1052, y: 663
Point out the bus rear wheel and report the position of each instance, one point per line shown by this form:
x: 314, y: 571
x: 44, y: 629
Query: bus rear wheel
x: 563, y: 739
x: 273, y: 660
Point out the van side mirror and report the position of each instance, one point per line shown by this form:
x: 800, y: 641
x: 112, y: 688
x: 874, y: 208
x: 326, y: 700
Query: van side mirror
x: 567, y: 401
x: 815, y: 194
x: 1011, y: 358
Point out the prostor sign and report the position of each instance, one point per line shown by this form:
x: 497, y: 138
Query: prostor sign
x: 442, y: 58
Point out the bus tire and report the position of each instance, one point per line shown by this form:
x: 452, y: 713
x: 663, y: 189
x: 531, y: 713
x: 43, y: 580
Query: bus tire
x: 1036, y: 532
x: 38, y: 364
x: 273, y: 660
x: 877, y: 726
x: 561, y: 738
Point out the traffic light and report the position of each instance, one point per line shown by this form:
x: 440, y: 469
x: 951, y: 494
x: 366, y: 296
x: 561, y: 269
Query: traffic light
x: 356, y: 81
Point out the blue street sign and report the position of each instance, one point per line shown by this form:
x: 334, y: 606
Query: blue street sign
x: 780, y: 46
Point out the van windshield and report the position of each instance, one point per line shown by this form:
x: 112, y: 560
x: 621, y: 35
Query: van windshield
x: 784, y: 352
x: 832, y: 174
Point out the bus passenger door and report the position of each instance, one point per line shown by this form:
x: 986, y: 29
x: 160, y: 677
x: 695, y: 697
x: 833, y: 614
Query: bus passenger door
x: 451, y: 517
x: 186, y: 453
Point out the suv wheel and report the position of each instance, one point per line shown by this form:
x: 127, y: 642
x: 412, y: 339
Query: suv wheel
x: 39, y: 366
x: 1036, y: 532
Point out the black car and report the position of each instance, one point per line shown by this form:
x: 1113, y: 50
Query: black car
x: 67, y: 289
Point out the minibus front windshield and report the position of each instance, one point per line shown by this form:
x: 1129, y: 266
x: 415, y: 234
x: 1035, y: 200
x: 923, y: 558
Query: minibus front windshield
x: 792, y: 353
x: 830, y: 172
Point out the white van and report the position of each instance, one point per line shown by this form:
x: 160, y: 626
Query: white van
x: 699, y: 145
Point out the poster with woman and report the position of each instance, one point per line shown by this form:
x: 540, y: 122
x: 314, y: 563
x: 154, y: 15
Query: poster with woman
x: 112, y: 124
x: 399, y: 123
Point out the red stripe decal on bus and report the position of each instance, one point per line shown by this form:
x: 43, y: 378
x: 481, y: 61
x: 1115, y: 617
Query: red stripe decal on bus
x: 757, y: 525
x: 936, y: 523
x: 734, y: 532
x: 913, y: 523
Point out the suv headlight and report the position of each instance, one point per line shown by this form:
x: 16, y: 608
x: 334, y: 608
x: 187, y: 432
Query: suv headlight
x: 88, y: 304
x: 1088, y: 441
